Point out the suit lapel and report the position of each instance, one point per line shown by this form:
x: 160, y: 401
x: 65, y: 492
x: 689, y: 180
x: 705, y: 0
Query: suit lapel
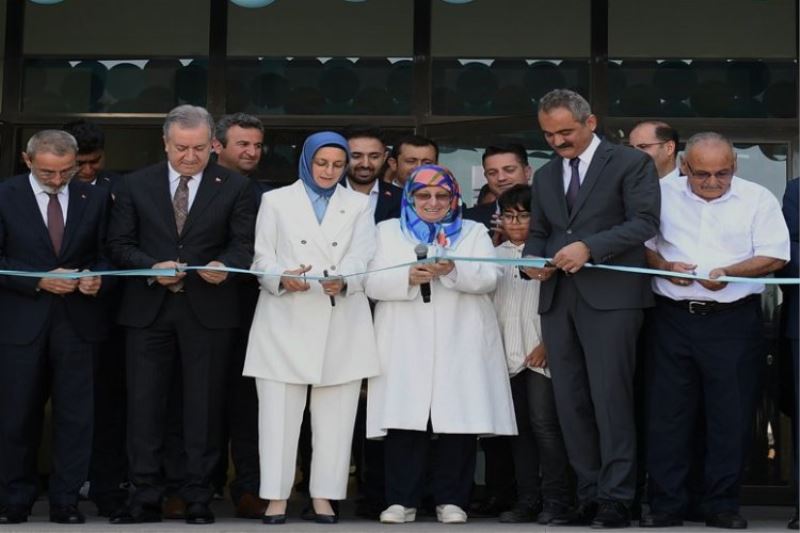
x: 384, y: 198
x: 596, y: 167
x: 336, y: 216
x: 30, y: 209
x: 557, y: 176
x: 210, y: 186
x: 75, y: 209
x: 162, y: 197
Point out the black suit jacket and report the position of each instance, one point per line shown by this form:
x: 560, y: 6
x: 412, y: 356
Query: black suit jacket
x: 617, y: 210
x: 481, y: 213
x: 219, y: 227
x: 389, y: 200
x: 25, y: 245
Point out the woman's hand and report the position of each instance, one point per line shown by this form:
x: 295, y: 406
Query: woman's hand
x: 333, y: 285
x: 441, y: 267
x: 295, y: 284
x: 419, y: 274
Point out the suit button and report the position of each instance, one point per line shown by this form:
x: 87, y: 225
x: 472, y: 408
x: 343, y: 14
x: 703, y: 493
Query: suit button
x: 180, y: 247
x: 303, y: 241
x: 569, y: 232
x: 334, y: 243
x: 333, y: 267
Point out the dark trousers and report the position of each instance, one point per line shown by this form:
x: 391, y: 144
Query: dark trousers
x: 61, y: 356
x: 539, y: 447
x: 452, y: 460
x: 109, y: 464
x: 201, y: 353
x: 499, y: 470
x: 371, y: 469
x: 794, y: 345
x: 592, y: 360
x: 715, y: 361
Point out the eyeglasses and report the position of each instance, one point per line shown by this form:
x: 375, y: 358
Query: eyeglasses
x: 703, y: 175
x: 645, y: 146
x: 441, y: 197
x: 50, y: 174
x: 519, y: 218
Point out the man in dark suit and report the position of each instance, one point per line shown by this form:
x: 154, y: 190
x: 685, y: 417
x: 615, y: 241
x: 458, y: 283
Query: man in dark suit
x: 108, y: 470
x: 48, y: 326
x: 594, y: 202
x: 367, y: 157
x: 184, y: 211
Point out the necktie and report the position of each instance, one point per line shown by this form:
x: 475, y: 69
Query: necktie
x: 574, y: 183
x: 180, y: 203
x: 55, y: 222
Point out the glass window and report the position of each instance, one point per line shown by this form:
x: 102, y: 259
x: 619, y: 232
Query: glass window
x: 743, y: 88
x: 350, y: 58
x: 105, y: 63
x: 496, y: 58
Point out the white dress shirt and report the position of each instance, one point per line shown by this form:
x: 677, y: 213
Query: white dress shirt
x: 193, y: 184
x: 585, y: 159
x: 676, y: 173
x: 516, y: 301
x: 743, y: 223
x: 42, y: 199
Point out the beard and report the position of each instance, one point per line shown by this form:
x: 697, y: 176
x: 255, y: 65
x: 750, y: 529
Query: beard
x: 362, y: 180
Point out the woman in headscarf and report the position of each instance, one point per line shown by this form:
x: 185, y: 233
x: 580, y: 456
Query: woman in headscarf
x: 443, y: 370
x: 306, y: 332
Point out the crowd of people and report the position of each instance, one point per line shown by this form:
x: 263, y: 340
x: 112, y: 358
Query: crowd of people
x: 350, y: 314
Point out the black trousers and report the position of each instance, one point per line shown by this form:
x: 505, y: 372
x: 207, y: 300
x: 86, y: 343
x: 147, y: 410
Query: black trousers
x: 499, y: 461
x: 62, y: 358
x: 452, y: 464
x: 175, y: 339
x: 592, y: 361
x: 370, y: 467
x: 713, y: 362
x: 109, y: 465
x: 539, y: 447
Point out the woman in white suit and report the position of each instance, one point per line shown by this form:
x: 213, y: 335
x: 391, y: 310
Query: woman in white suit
x: 443, y: 371
x: 307, y: 332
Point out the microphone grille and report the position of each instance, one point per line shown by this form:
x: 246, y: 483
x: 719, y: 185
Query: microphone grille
x: 421, y: 250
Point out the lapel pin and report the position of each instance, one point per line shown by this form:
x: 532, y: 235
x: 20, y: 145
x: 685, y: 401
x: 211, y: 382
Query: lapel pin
x: 342, y: 211
x: 218, y: 179
x: 83, y: 196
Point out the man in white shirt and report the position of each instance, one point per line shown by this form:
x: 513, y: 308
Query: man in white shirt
x: 659, y: 140
x: 707, y: 342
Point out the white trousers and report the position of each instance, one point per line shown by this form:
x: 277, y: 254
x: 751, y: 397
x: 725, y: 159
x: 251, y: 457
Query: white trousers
x: 280, y: 414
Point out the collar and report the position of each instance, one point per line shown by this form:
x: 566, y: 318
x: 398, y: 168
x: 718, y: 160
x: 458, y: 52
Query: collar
x: 509, y: 244
x: 673, y: 174
x: 588, y: 154
x: 37, y: 188
x: 375, y: 188
x: 174, y: 175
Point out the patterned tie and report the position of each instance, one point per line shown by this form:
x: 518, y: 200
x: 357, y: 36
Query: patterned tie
x: 180, y: 203
x: 574, y: 183
x: 55, y: 222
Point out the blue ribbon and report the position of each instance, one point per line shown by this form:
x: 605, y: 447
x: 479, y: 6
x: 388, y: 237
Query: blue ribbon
x: 535, y: 262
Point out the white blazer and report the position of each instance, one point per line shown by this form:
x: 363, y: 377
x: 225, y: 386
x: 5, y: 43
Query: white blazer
x: 442, y: 359
x: 298, y: 337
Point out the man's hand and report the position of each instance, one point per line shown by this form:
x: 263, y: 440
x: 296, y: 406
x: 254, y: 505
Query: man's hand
x: 214, y: 277
x: 537, y: 358
x: 333, y: 285
x: 683, y: 268
x: 296, y: 284
x: 714, y: 285
x: 169, y: 280
x: 90, y: 286
x: 58, y: 285
x: 419, y: 274
x: 540, y: 274
x: 572, y: 257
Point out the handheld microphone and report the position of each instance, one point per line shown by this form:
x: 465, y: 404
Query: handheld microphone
x: 333, y: 300
x: 425, y: 288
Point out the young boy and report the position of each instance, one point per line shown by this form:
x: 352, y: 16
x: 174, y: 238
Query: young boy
x: 539, y: 446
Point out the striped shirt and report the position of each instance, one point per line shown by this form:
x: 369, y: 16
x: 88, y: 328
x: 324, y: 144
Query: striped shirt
x: 516, y: 301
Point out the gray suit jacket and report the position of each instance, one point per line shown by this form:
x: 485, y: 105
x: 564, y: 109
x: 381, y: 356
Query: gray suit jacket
x: 617, y: 210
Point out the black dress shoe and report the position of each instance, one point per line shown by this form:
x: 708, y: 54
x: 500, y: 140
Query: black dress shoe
x: 580, y: 516
x: 309, y: 514
x: 199, y: 513
x: 611, y: 514
x: 273, y: 519
x: 326, y: 518
x: 793, y: 524
x: 489, y: 508
x: 137, y: 514
x: 13, y: 514
x: 726, y: 520
x: 66, y: 514
x: 552, y: 510
x: 108, y: 506
x: 525, y: 510
x: 660, y: 520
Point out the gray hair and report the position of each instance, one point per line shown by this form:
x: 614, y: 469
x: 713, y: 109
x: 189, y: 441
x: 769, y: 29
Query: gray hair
x: 708, y: 137
x: 188, y: 116
x: 56, y: 142
x: 565, y: 98
x: 243, y: 120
